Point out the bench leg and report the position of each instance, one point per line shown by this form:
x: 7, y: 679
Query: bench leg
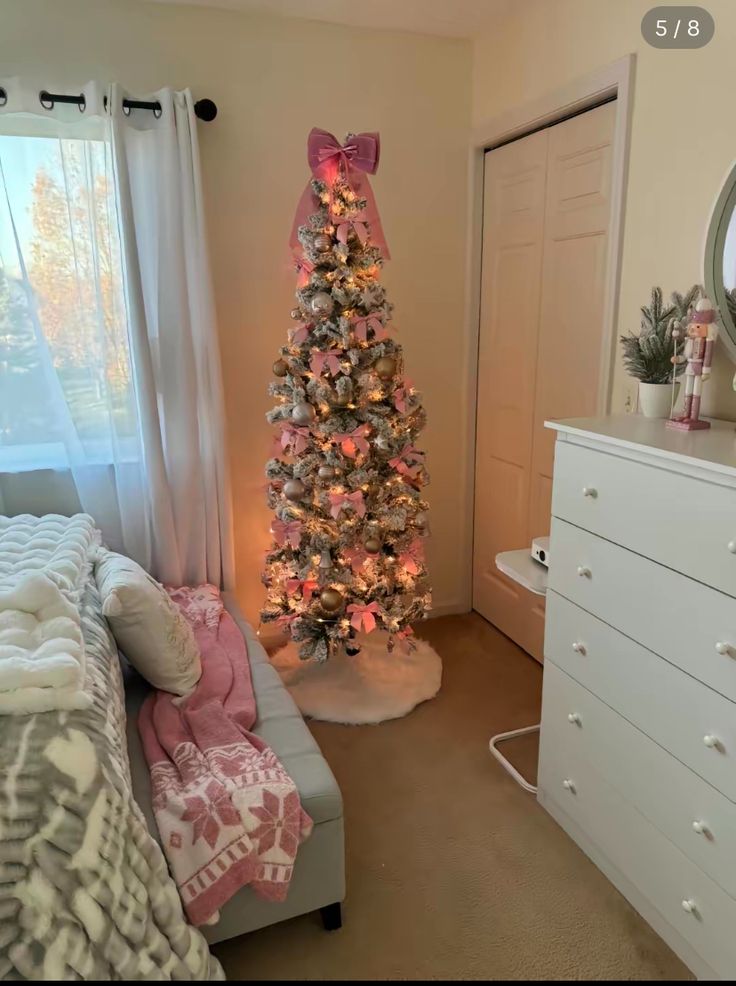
x: 331, y: 917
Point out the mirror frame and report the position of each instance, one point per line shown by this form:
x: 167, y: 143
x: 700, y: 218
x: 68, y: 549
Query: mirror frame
x: 713, y: 259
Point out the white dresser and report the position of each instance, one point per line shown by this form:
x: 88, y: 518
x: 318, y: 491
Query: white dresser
x: 638, y: 742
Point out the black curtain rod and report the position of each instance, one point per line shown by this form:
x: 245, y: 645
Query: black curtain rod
x: 204, y: 109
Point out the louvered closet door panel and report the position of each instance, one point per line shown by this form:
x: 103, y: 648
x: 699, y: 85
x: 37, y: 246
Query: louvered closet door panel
x: 576, y: 239
x: 514, y: 195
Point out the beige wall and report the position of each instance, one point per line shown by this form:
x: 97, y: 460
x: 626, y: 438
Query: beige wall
x: 683, y: 140
x: 272, y: 80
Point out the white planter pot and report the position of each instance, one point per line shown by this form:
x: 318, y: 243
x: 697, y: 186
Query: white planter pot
x: 655, y: 399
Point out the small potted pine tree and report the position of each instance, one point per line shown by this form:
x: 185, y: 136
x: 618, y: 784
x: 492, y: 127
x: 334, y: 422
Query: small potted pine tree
x: 648, y: 355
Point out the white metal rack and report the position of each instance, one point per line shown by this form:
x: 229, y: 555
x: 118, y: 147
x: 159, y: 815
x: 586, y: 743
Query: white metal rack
x: 522, y: 568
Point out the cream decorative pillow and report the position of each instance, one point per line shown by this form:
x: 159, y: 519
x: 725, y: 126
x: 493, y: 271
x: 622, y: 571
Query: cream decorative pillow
x: 148, y: 627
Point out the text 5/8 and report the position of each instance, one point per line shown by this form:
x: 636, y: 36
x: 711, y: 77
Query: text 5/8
x: 677, y: 27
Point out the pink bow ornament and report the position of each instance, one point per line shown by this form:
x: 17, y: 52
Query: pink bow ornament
x: 300, y: 333
x: 401, y: 396
x: 344, y: 224
x: 363, y: 617
x: 284, y: 533
x: 362, y: 323
x: 347, y: 501
x: 319, y: 361
x: 408, y: 462
x: 295, y: 437
x: 352, y: 442
x: 412, y: 557
x: 356, y: 557
x: 287, y: 619
x: 304, y: 270
x: 307, y: 586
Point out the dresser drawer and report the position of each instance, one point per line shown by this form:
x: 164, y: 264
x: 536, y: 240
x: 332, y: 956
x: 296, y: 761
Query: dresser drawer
x: 684, y: 523
x: 684, y: 621
x: 699, y: 820
x: 684, y: 716
x: 645, y: 857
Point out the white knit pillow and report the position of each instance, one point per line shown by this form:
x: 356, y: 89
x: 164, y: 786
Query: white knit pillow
x: 148, y: 627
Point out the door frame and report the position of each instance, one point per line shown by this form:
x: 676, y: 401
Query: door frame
x: 614, y: 81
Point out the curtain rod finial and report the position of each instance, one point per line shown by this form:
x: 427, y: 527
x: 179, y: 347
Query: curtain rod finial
x: 205, y: 109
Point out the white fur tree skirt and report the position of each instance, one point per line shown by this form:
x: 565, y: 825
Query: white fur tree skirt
x: 370, y: 687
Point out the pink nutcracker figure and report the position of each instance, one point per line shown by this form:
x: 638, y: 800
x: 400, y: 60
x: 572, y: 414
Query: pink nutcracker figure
x: 701, y: 333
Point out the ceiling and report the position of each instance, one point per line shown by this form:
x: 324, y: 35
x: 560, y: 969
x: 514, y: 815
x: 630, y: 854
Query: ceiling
x: 447, y: 18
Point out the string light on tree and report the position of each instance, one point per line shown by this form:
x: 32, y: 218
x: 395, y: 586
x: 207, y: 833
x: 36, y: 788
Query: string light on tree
x: 345, y: 487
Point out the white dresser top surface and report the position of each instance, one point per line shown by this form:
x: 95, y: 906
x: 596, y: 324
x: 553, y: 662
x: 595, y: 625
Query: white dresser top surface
x: 713, y: 449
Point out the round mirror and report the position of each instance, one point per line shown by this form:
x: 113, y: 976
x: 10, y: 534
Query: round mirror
x: 720, y: 261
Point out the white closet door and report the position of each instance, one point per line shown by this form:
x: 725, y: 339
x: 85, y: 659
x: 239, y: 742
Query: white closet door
x: 576, y: 241
x: 545, y: 239
x: 513, y: 230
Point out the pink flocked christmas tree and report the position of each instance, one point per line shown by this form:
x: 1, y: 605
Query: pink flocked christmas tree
x: 345, y: 485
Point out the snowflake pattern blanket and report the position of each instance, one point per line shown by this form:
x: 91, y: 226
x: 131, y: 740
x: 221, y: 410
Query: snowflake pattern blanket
x: 85, y: 892
x: 228, y: 813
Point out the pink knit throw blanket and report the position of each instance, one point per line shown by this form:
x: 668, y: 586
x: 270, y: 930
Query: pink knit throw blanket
x: 227, y: 811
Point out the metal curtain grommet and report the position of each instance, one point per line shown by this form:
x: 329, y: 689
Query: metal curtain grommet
x: 46, y: 100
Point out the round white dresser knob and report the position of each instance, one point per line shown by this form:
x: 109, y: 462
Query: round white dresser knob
x: 574, y: 718
x: 723, y: 648
x: 710, y: 740
x: 569, y: 785
x: 584, y: 572
x: 578, y: 647
x: 732, y: 547
x: 700, y: 827
x: 689, y: 906
x: 590, y: 491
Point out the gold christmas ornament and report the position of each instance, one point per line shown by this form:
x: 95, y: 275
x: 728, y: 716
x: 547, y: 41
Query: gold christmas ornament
x: 322, y: 242
x: 303, y: 413
x: 322, y: 303
x: 330, y: 600
x: 280, y: 368
x: 327, y: 472
x: 372, y: 545
x: 385, y: 368
x: 294, y: 489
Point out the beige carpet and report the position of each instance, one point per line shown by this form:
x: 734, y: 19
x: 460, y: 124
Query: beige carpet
x: 453, y: 871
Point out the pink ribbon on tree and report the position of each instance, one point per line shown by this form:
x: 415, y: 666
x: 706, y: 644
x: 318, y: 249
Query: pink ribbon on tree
x: 357, y: 158
x: 295, y: 437
x: 352, y: 442
x: 362, y: 323
x: 330, y: 359
x: 299, y: 334
x: 284, y: 533
x: 307, y: 586
x: 406, y: 640
x: 343, y: 501
x: 287, y: 619
x: 363, y: 616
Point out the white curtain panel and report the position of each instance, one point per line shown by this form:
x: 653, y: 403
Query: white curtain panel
x: 111, y: 340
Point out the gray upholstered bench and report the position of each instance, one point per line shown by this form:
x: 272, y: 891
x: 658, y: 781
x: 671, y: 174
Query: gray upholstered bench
x: 318, y: 882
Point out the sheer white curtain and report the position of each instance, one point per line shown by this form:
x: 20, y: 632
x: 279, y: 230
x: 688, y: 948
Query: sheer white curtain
x: 109, y: 364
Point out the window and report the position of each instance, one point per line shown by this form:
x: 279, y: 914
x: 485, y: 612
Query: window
x: 66, y: 395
